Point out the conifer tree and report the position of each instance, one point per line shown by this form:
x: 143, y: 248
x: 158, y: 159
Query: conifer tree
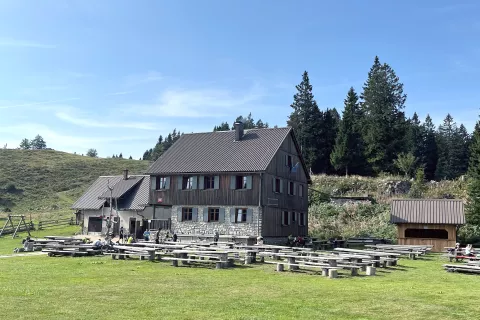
x: 348, y: 153
x: 473, y: 203
x: 306, y: 121
x: 429, y: 156
x: 384, y: 124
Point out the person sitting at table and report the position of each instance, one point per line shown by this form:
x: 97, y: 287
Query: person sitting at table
x: 469, y: 250
x: 146, y: 235
x: 175, y: 237
x: 98, y: 244
x: 157, y: 236
x: 130, y: 239
x: 290, y: 240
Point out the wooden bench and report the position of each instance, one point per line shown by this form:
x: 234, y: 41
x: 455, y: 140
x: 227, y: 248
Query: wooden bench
x: 462, y: 268
x: 218, y: 264
x: 331, y: 272
x: 52, y: 253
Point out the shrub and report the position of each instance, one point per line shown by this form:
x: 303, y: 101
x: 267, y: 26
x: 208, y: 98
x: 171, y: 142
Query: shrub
x: 10, y: 187
x: 350, y: 220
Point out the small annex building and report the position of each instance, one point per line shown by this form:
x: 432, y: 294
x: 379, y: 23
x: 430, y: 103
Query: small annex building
x: 127, y: 204
x: 428, y: 221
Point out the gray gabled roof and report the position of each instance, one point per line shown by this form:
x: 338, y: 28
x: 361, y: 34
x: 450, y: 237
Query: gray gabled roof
x: 122, y: 187
x: 428, y: 211
x: 219, y: 152
x: 138, y: 198
x: 132, y: 191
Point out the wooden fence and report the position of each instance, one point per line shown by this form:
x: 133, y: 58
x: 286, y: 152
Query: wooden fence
x: 48, y: 224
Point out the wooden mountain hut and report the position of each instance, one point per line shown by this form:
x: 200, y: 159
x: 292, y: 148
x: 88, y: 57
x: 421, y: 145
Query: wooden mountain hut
x: 428, y: 221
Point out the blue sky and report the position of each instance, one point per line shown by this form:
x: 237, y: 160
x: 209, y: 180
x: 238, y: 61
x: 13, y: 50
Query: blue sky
x: 114, y: 75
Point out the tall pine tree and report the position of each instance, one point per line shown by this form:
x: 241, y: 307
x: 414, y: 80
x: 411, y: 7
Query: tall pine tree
x: 347, y: 154
x: 451, y: 150
x: 306, y: 121
x: 473, y: 204
x: 415, y: 137
x: 384, y: 125
x: 429, y: 155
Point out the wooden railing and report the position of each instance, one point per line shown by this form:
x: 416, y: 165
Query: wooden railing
x: 47, y: 224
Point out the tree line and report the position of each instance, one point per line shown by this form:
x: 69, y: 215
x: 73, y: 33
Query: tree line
x: 36, y: 143
x: 373, y: 135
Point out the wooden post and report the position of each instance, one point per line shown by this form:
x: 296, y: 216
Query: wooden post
x: 354, y: 272
x: 371, y: 270
x: 332, y: 273
x: 280, y: 267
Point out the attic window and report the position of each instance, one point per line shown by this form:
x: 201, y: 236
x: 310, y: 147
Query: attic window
x: 241, y: 182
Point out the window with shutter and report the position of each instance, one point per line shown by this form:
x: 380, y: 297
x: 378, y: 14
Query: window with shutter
x: 290, y: 188
x: 301, y: 220
x: 187, y: 183
x: 240, y: 215
x: 293, y: 217
x: 277, y: 185
x: 209, y: 182
x: 213, y: 214
x: 285, y: 218
x: 187, y: 214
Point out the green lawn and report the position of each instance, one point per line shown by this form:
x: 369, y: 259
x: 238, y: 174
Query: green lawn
x: 92, y: 288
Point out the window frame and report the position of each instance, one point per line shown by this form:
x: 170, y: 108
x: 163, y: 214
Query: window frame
x: 241, y: 182
x: 278, y: 185
x: 158, y: 183
x: 285, y: 216
x: 215, y: 211
x: 293, y: 217
x: 244, y: 215
x: 208, y: 182
x: 187, y: 214
x: 291, y: 188
x: 301, y: 219
x: 187, y: 183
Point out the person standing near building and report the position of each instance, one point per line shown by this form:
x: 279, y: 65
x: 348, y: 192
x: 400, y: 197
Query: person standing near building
x: 121, y: 234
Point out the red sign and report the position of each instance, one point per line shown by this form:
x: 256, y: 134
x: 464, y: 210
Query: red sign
x: 159, y: 200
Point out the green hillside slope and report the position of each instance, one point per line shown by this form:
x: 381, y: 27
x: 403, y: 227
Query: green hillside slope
x: 47, y: 182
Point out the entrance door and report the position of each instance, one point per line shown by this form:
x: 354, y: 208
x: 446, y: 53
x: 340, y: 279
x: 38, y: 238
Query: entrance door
x: 95, y: 224
x: 131, y: 228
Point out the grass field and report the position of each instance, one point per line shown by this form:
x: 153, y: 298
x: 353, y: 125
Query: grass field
x: 92, y: 288
x: 47, y: 182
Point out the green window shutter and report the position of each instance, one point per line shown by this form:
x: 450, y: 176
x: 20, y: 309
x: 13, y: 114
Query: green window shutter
x: 195, y: 214
x: 233, y: 181
x: 232, y: 215
x: 249, y: 182
x: 286, y: 160
x: 153, y: 181
x: 281, y: 185
x: 179, y: 182
x: 194, y: 182
x: 201, y: 182
x: 167, y: 183
x: 179, y: 214
x: 273, y: 184
x: 216, y: 182
x: 249, y: 215
x: 205, y: 214
x: 221, y: 215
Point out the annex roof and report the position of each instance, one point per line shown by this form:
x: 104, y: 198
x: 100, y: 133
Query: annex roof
x: 428, y: 211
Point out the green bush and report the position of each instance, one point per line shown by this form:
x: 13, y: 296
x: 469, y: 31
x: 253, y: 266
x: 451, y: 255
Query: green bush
x: 469, y: 233
x: 350, y: 220
x: 10, y: 187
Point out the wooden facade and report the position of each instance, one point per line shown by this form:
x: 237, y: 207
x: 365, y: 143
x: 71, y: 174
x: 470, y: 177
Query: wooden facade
x: 437, y: 243
x: 260, y: 193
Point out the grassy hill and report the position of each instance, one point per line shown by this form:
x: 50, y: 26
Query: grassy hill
x: 47, y: 182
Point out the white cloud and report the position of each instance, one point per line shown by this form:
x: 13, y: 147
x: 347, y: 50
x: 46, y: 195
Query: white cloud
x: 138, y: 79
x: 29, y: 104
x: 198, y: 103
x: 58, y: 140
x: 120, y: 93
x: 6, y: 42
x: 93, y: 123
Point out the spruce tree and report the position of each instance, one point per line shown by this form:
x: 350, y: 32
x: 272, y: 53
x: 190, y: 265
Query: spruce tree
x: 348, y: 153
x: 429, y: 154
x: 25, y: 144
x: 305, y: 120
x: 473, y: 203
x: 384, y: 124
x: 450, y: 149
x: 415, y: 137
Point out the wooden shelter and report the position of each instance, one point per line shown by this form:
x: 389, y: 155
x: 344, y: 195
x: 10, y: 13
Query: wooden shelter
x: 427, y: 221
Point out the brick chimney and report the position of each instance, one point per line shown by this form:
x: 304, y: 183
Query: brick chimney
x: 238, y: 130
x: 125, y: 174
